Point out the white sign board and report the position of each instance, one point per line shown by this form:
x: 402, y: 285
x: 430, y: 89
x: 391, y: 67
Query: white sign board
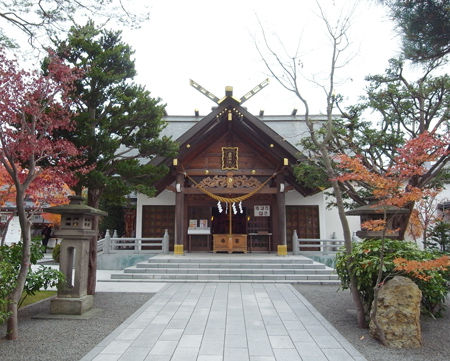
x: 262, y: 211
x: 14, y: 233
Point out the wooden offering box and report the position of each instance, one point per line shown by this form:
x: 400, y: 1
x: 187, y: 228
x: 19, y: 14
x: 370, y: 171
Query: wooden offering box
x: 230, y: 243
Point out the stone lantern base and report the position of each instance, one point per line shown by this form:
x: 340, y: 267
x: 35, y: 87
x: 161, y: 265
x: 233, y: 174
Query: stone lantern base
x: 71, y: 306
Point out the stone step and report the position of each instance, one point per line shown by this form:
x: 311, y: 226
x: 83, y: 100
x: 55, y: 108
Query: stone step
x: 226, y: 259
x: 311, y: 265
x: 226, y: 277
x: 148, y: 280
x: 228, y: 268
x: 215, y: 270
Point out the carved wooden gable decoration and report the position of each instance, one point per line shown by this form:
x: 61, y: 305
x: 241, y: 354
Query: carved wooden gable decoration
x: 230, y: 139
x: 229, y: 181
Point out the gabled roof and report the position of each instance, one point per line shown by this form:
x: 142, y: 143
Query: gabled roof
x: 243, y: 123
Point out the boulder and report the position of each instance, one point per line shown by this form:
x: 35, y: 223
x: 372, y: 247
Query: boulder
x: 398, y: 313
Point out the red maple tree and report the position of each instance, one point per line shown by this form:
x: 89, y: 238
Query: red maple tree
x: 37, y: 162
x: 394, y: 188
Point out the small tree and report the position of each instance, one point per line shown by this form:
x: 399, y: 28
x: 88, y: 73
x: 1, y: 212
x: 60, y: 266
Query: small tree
x: 439, y: 237
x: 394, y: 189
x: 287, y: 73
x: 396, y: 108
x: 33, y: 108
x: 424, y: 217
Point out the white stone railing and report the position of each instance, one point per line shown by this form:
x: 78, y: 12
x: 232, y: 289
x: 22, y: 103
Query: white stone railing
x: 315, y: 245
x: 116, y: 244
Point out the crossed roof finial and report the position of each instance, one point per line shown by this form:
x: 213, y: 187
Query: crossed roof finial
x: 229, y: 91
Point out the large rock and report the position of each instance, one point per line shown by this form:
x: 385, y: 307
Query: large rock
x: 398, y: 313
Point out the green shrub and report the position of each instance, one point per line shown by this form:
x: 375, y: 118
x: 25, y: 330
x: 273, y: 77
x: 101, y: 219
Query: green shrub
x: 56, y: 252
x: 364, y: 262
x: 37, y: 278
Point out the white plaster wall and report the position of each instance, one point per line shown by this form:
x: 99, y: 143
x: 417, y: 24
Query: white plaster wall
x: 328, y: 218
x: 165, y: 198
x: 334, y: 223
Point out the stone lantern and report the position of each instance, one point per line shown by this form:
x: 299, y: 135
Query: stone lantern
x: 76, y: 230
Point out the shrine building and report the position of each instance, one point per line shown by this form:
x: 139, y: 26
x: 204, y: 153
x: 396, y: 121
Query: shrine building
x: 232, y: 186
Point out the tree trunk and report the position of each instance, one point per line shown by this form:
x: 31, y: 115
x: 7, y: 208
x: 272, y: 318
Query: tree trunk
x: 405, y: 221
x: 93, y: 201
x: 360, y: 315
x: 12, y: 325
x: 12, y: 331
x: 378, y: 285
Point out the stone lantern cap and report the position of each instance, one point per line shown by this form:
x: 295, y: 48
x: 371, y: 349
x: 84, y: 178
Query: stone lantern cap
x: 75, y: 206
x: 376, y: 209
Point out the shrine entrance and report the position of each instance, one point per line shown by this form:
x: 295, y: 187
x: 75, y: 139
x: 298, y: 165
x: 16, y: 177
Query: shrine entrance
x: 220, y: 221
x: 252, y: 225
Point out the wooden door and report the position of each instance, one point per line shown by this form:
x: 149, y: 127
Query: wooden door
x: 305, y: 219
x: 156, y: 219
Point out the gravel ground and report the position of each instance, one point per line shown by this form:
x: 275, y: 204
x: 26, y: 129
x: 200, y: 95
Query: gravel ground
x: 67, y: 340
x: 337, y: 308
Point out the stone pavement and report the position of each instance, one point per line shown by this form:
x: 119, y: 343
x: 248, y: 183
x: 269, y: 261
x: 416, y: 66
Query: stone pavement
x: 225, y: 322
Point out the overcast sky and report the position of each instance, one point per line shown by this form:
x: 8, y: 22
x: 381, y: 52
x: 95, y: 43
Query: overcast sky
x: 213, y: 43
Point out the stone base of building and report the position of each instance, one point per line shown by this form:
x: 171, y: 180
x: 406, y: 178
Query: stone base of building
x: 71, y: 306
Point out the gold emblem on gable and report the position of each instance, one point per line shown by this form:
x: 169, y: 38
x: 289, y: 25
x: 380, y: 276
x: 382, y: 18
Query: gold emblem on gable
x: 230, y: 158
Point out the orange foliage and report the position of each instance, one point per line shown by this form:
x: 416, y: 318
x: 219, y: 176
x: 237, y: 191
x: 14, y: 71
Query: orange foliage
x: 7, y: 189
x: 43, y: 192
x: 415, y: 225
x: 376, y: 225
x: 392, y: 188
x: 418, y: 268
x: 53, y: 219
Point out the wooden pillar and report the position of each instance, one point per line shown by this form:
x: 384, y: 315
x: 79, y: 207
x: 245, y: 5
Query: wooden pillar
x: 179, y: 215
x: 281, y: 205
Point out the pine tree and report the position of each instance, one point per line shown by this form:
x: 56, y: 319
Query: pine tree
x: 118, y: 122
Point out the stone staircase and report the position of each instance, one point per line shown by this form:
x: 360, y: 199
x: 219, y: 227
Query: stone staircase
x: 228, y: 268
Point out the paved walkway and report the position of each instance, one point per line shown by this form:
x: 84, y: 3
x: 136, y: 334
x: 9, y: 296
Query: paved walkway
x: 225, y: 322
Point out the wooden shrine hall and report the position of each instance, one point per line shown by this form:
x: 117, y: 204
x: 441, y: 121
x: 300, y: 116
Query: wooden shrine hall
x: 229, y: 183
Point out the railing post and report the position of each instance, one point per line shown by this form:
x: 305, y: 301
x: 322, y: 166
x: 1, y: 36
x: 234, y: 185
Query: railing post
x: 165, y: 242
x: 137, y: 245
x: 295, y: 245
x: 115, y: 234
x: 325, y: 245
x: 107, y: 242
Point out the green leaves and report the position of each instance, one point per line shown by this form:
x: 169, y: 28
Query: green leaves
x: 425, y: 27
x: 118, y: 122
